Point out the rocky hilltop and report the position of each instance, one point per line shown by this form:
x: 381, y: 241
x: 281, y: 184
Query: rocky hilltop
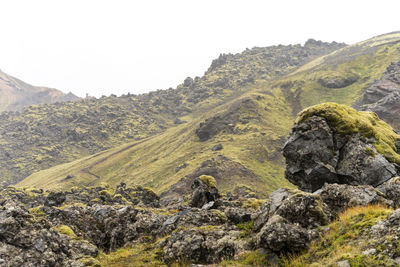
x: 350, y: 218
x: 16, y: 94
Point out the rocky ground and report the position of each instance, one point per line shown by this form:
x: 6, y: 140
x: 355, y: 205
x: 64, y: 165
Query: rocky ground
x: 335, y: 170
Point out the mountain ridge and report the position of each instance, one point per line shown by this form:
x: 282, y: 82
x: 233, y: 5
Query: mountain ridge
x: 251, y: 137
x: 16, y: 94
x: 62, y: 132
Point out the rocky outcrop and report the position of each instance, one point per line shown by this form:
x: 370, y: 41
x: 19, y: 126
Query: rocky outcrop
x: 288, y: 221
x: 205, y: 193
x: 338, y: 82
x: 383, y: 96
x: 27, y: 241
x: 69, y: 228
x: 332, y: 143
x: 225, y: 121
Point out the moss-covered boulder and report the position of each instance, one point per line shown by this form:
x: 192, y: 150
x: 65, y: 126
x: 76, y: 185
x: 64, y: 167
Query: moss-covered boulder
x: 333, y: 143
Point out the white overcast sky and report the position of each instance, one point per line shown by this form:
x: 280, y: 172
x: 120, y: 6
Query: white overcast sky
x: 104, y: 47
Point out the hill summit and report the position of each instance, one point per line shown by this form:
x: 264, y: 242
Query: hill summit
x: 16, y: 94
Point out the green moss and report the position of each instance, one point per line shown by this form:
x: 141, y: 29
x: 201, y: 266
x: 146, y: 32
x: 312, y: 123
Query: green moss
x: 348, y: 121
x: 249, y: 258
x: 220, y: 214
x: 370, y: 152
x: 346, y: 239
x: 252, y: 203
x: 37, y: 211
x: 246, y: 227
x: 209, y: 181
x: 138, y: 255
x: 66, y: 230
x: 90, y: 262
x: 107, y: 192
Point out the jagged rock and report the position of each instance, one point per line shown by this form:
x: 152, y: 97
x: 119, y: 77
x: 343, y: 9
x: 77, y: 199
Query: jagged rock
x: 306, y: 210
x: 25, y: 241
x: 310, y: 161
x: 203, y: 193
x: 238, y: 215
x: 391, y: 191
x: 338, y: 197
x: 203, y: 245
x: 357, y: 166
x: 388, y: 108
x: 325, y: 146
x: 289, y: 220
x: 383, y: 96
x: 283, y: 237
x: 389, y: 83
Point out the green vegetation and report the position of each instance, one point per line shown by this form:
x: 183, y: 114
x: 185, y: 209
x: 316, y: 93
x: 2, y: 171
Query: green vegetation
x: 345, y: 240
x: 347, y: 121
x: 246, y: 227
x: 249, y: 258
x: 43, y: 136
x: 260, y: 115
x: 209, y: 181
x: 139, y: 255
x: 66, y: 230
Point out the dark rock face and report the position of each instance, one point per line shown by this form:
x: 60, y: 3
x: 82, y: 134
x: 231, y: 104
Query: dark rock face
x: 391, y: 191
x: 203, y: 194
x: 316, y: 154
x: 388, y: 108
x: 383, y: 96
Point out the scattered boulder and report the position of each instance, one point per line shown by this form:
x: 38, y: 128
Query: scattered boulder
x: 338, y: 82
x: 217, y: 147
x: 204, y: 191
x: 283, y: 237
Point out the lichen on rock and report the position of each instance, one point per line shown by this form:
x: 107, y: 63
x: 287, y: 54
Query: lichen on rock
x: 333, y: 143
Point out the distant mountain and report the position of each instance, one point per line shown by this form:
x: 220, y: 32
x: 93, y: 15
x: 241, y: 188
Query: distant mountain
x: 16, y: 94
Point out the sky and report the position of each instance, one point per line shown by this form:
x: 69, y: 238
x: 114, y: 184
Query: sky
x: 100, y: 47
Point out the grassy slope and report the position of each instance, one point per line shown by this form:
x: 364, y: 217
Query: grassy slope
x: 40, y: 137
x: 153, y: 162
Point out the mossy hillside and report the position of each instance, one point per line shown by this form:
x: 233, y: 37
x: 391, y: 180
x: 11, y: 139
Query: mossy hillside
x: 154, y: 162
x: 43, y: 136
x: 346, y: 239
x: 261, y: 129
x: 348, y: 121
x: 360, y: 64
